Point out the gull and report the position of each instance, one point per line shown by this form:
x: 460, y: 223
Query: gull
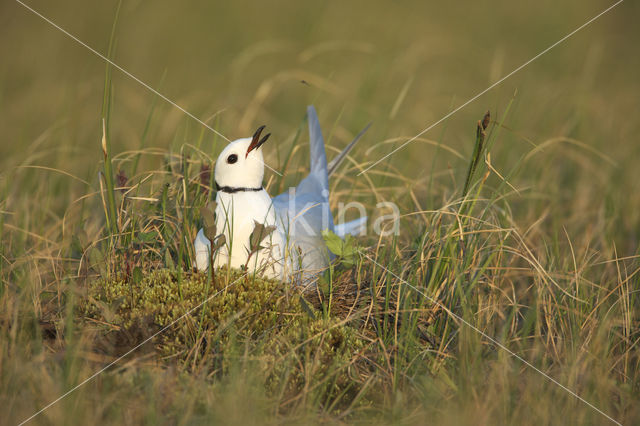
x: 278, y: 237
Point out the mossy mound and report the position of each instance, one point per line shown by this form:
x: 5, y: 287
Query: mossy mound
x: 206, y: 321
x: 250, y: 305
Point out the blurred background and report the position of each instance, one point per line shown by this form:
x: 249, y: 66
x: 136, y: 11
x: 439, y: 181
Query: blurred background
x: 562, y: 188
x: 401, y: 66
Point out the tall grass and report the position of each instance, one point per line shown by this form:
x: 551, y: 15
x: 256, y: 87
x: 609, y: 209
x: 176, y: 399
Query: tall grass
x: 526, y: 228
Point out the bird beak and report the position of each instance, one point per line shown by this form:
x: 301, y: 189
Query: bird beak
x: 256, y: 142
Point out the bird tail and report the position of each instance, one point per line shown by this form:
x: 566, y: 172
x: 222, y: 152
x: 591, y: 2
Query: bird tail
x: 335, y: 163
x: 318, y: 154
x: 355, y: 227
x: 318, y: 157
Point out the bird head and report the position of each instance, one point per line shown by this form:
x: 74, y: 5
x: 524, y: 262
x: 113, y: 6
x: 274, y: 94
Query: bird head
x: 241, y: 163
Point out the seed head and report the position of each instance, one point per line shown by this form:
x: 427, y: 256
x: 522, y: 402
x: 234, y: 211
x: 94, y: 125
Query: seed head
x: 121, y: 180
x: 486, y: 120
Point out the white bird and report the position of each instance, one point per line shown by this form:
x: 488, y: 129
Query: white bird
x: 295, y: 249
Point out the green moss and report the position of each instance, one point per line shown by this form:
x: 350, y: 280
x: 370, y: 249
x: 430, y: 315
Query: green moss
x: 240, y: 315
x: 324, y: 355
x: 249, y: 305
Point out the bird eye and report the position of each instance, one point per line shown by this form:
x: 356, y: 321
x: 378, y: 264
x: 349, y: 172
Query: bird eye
x: 232, y: 158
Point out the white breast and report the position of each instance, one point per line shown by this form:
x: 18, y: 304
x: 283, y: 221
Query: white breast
x: 294, y: 250
x: 236, y: 215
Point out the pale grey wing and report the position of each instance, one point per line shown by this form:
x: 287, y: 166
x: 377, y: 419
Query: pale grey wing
x: 318, y: 152
x: 303, y: 219
x: 355, y: 227
x: 312, y: 193
x: 305, y: 213
x: 317, y: 182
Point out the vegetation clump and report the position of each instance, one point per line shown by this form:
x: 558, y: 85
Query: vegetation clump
x: 251, y: 305
x: 205, y: 321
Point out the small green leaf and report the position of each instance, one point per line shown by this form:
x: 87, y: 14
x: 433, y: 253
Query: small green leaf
x: 137, y: 275
x: 219, y: 242
x: 349, y: 251
x: 209, y: 219
x: 208, y: 213
x: 210, y: 232
x: 333, y: 242
x: 346, y: 250
x: 259, y: 233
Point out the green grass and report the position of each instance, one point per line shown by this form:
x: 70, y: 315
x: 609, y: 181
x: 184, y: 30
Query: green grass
x: 528, y: 229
